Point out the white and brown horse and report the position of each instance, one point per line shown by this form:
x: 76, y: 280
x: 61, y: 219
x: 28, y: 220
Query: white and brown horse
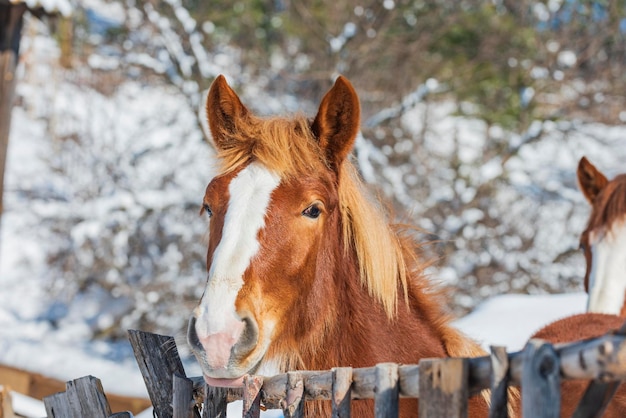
x: 604, y: 240
x: 604, y: 245
x: 304, y: 270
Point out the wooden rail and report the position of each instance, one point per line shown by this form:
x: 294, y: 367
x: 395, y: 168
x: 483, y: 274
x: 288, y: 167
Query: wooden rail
x: 442, y: 385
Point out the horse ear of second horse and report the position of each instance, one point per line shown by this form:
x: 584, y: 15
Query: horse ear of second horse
x: 337, y: 122
x: 223, y: 108
x: 590, y: 179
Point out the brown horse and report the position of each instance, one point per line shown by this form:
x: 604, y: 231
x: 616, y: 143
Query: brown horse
x: 604, y: 245
x: 604, y: 240
x: 304, y: 270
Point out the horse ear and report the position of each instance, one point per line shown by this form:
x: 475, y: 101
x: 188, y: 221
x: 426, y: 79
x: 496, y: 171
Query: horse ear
x: 590, y: 179
x: 223, y: 108
x: 337, y: 122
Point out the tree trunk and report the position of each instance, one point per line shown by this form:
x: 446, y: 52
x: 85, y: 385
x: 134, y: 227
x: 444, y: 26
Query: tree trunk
x: 11, y: 27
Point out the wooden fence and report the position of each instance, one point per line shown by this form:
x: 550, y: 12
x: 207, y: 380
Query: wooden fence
x: 442, y: 385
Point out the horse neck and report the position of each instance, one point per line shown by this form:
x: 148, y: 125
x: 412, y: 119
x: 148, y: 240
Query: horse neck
x: 356, y: 331
x: 606, y: 267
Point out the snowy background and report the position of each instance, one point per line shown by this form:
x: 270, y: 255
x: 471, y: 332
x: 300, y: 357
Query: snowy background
x: 105, y: 176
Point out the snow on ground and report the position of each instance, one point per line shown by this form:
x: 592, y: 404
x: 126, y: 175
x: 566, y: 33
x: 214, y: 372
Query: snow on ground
x: 509, y: 320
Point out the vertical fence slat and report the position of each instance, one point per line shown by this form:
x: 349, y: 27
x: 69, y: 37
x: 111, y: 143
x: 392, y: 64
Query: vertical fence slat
x: 157, y: 358
x: 499, y: 382
x: 57, y: 405
x: 215, y: 402
x: 293, y: 404
x: 183, y: 402
x: 341, y: 392
x: 541, y: 382
x: 595, y: 399
x: 387, y: 392
x: 86, y: 398
x: 443, y: 390
x: 252, y: 396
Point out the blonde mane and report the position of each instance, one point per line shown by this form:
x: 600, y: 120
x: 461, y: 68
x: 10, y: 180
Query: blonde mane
x: 287, y: 147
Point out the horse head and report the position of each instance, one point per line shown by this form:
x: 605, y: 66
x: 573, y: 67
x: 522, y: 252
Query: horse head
x: 274, y: 231
x: 604, y: 240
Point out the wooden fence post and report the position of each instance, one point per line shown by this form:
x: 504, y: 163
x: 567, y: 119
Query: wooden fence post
x: 341, y: 392
x: 499, y: 383
x: 387, y: 392
x: 83, y: 397
x: 541, y: 382
x: 252, y: 396
x: 443, y: 388
x: 293, y: 404
x: 157, y: 358
x: 86, y: 396
x: 57, y: 405
x: 183, y: 402
x: 215, y: 402
x: 595, y: 399
x: 6, y: 403
x: 11, y: 17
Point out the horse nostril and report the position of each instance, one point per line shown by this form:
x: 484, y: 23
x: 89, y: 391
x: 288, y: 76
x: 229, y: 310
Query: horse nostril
x: 250, y: 333
x: 192, y: 336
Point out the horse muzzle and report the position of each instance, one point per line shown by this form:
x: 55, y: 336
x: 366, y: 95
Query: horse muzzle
x: 227, y: 355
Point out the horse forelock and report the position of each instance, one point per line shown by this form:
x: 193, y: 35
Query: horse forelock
x: 284, y: 146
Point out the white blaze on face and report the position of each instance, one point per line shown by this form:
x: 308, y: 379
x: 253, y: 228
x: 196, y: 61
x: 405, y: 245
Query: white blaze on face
x: 607, y: 279
x: 250, y: 193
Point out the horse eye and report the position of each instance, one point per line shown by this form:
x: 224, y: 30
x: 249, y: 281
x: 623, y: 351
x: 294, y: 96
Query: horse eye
x: 312, y: 212
x: 207, y: 209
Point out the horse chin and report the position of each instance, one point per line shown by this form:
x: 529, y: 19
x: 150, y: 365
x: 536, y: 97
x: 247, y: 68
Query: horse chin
x: 228, y: 377
x: 224, y: 383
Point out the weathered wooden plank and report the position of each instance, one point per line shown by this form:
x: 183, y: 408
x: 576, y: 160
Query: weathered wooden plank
x: 317, y: 384
x: 183, y: 402
x: 499, y: 382
x: 57, y: 406
x: 387, y: 392
x: 86, y: 398
x: 443, y: 388
x: 293, y: 403
x: 541, y: 382
x: 213, y: 399
x: 158, y: 360
x: 6, y: 403
x: 341, y: 392
x: 595, y: 399
x: 252, y: 396
x: 215, y: 402
x: 409, y: 380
